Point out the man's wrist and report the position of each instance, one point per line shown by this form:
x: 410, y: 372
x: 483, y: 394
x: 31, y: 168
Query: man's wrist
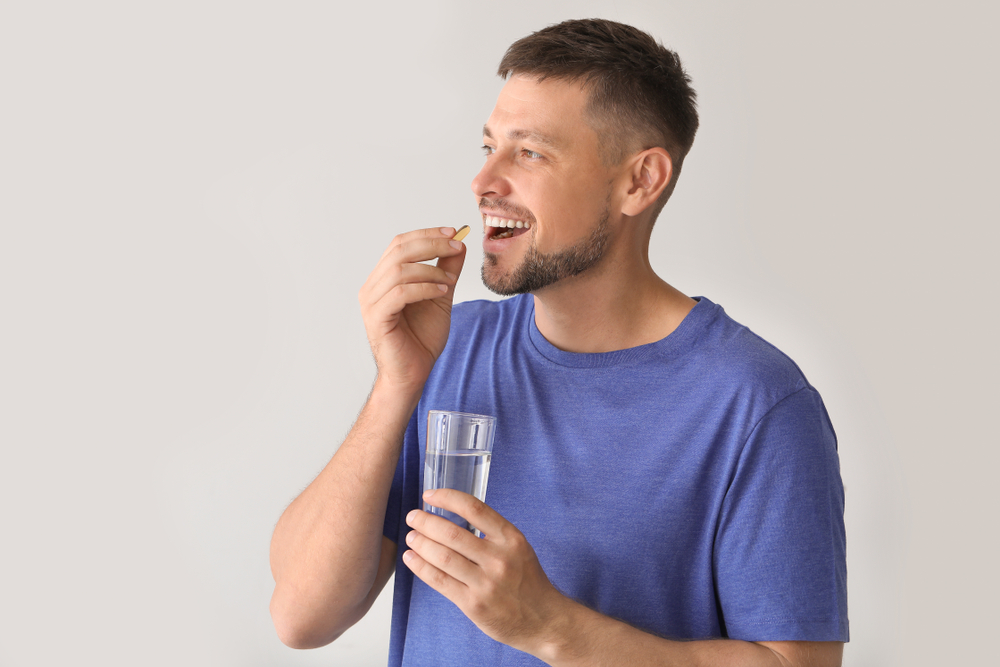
x: 389, y: 395
x: 564, y: 638
x: 579, y: 636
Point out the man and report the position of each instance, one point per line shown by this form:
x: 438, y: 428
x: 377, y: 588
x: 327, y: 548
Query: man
x: 659, y: 473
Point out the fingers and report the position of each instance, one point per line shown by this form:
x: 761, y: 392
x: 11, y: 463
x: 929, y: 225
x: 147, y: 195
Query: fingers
x: 432, y: 233
x: 398, y: 272
x: 400, y: 263
x: 383, y: 315
x: 473, y: 510
x: 443, y: 583
x: 443, y: 555
x: 441, y: 546
x: 410, y: 274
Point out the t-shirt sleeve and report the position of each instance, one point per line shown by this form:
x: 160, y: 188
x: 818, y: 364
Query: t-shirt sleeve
x: 780, y: 556
x: 404, y: 492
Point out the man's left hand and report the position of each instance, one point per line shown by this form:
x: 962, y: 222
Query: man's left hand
x: 496, y: 581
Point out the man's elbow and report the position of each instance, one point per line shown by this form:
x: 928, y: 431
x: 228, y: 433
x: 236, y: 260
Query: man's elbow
x: 299, y: 637
x: 300, y: 630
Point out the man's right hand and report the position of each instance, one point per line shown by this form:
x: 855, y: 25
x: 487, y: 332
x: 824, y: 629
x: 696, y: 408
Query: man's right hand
x: 406, y: 305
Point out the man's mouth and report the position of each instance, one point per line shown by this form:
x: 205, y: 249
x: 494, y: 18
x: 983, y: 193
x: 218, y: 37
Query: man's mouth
x: 504, y: 228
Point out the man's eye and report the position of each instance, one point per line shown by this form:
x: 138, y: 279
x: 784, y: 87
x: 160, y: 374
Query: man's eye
x: 487, y: 150
x: 531, y: 154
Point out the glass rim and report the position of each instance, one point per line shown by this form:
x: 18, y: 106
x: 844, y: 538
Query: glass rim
x: 468, y: 415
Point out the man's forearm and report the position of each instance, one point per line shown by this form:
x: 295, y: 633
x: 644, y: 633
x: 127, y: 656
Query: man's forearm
x: 326, y: 547
x: 585, y: 638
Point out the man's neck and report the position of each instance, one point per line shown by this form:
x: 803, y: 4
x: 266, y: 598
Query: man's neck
x: 609, y: 308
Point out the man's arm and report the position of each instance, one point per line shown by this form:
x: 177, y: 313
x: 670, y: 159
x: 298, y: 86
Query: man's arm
x: 499, y: 584
x: 329, y: 558
x: 587, y: 638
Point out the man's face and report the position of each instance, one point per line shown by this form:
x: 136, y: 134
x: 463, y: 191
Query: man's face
x: 543, y: 170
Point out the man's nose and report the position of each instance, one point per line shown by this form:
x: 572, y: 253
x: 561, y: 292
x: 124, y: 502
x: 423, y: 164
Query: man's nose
x: 491, y: 179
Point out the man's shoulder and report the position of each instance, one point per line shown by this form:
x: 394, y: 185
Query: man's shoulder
x: 732, y: 351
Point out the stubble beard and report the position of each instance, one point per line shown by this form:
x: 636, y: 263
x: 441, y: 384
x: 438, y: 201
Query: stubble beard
x: 538, y: 270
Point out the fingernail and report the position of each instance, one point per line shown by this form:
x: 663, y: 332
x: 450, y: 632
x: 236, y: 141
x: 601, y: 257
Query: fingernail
x: 410, y: 537
x: 429, y: 493
x: 409, y: 517
x: 407, y: 556
x: 455, y: 244
x: 452, y: 276
x: 443, y: 288
x: 447, y: 231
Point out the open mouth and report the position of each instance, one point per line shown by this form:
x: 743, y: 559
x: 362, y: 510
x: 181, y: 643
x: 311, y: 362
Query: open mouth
x: 504, y: 228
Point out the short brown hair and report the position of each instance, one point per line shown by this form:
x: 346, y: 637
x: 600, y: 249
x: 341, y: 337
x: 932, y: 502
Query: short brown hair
x: 639, y: 95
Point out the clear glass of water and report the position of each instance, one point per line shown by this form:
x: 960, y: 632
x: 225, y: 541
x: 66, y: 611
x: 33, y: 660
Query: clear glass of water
x: 459, y: 448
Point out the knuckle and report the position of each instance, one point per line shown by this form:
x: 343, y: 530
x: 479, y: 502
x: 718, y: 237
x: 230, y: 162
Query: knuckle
x: 395, y: 250
x: 437, y: 579
x: 453, y: 532
x: 502, y: 569
x: 511, y: 535
x: 477, y: 507
x: 517, y: 541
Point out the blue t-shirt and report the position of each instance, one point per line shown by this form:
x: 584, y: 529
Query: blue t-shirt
x: 690, y: 487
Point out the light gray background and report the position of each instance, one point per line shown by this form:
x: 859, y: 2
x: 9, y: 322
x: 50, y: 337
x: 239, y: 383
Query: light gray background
x: 191, y: 194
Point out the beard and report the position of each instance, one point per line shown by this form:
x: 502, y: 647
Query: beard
x: 539, y: 270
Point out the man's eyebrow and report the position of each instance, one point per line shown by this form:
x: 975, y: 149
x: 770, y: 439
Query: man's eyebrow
x: 524, y: 134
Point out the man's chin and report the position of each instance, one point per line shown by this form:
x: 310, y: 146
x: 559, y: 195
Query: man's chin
x: 528, y: 276
x: 498, y: 281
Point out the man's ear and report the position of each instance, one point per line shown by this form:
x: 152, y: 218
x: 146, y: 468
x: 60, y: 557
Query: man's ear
x: 651, y: 171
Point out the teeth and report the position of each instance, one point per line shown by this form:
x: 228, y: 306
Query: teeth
x: 493, y: 221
